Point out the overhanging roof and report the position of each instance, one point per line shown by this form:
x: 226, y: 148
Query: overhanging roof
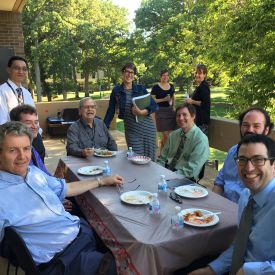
x: 12, y: 5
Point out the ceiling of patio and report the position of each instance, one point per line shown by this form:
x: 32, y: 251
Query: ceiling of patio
x: 12, y: 5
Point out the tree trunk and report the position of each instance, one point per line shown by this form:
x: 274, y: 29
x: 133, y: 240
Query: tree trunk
x: 37, y: 75
x: 86, y: 84
x: 75, y: 83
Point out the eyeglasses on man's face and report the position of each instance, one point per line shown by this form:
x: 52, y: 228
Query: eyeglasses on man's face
x: 87, y: 107
x: 256, y: 161
x: 129, y: 72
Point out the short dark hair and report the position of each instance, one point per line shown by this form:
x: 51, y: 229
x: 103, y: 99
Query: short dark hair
x: 131, y: 66
x: 254, y: 138
x: 163, y: 72
x: 190, y: 107
x: 15, y: 113
x: 268, y: 122
x: 14, y: 58
x: 202, y: 67
x: 15, y: 128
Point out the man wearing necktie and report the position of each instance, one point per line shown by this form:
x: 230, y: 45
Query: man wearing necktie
x: 12, y: 94
x: 187, y: 148
x: 253, y: 250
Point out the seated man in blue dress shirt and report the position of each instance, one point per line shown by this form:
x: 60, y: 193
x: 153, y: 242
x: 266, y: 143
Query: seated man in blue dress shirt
x: 88, y: 132
x: 254, y: 120
x: 46, y: 228
x: 256, y: 167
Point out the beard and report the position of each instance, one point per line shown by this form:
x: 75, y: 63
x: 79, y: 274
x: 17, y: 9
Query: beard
x: 251, y: 133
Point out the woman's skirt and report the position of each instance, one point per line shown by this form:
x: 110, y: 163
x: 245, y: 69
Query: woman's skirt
x: 165, y: 119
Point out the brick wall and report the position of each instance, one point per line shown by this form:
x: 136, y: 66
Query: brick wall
x: 11, y: 34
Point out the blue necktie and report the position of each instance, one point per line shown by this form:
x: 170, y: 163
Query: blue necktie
x: 19, y: 95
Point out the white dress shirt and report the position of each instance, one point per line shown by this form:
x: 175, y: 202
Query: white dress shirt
x: 9, y: 100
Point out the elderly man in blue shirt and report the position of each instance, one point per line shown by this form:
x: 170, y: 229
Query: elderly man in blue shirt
x: 254, y: 120
x: 47, y: 229
x: 253, y: 251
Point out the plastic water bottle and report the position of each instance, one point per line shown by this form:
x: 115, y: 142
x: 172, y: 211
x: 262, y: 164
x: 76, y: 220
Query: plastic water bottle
x: 186, y: 96
x: 130, y: 153
x: 107, y: 171
x: 177, y: 220
x: 162, y: 185
x: 154, y: 206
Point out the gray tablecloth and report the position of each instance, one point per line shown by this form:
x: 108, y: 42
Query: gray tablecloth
x: 142, y: 243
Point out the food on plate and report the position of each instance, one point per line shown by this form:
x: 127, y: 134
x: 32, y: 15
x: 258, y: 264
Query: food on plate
x: 97, y: 169
x: 104, y: 152
x: 194, y: 191
x: 197, y: 217
x: 137, y: 199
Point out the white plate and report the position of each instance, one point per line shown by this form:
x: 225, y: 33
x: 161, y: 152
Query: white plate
x: 191, y: 191
x: 136, y: 197
x: 140, y: 159
x: 90, y: 170
x: 104, y: 153
x: 214, y: 221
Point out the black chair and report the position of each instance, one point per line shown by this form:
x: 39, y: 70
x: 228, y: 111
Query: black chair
x: 70, y: 115
x: 15, y: 249
x: 201, y: 174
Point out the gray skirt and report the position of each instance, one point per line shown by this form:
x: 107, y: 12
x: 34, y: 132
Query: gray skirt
x: 165, y: 119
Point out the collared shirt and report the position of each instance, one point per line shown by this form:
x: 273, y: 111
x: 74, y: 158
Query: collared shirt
x: 37, y: 161
x: 260, y: 253
x: 228, y: 177
x: 194, y: 154
x: 80, y: 136
x: 8, y: 99
x: 32, y: 205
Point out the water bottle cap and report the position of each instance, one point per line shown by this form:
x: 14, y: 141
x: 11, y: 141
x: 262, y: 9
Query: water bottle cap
x: 162, y: 176
x: 155, y: 195
x: 106, y: 161
x: 130, y: 148
x: 177, y: 208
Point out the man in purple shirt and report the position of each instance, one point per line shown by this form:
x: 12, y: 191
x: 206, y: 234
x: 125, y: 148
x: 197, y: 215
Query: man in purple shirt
x: 27, y: 114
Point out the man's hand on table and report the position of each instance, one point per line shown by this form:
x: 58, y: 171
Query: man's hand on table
x: 203, y: 271
x: 113, y: 180
x: 87, y: 152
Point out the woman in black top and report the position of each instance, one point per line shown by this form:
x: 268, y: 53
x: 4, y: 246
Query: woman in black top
x: 164, y: 95
x: 201, y: 99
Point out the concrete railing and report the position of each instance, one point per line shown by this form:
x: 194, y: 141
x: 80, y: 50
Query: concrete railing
x: 223, y: 133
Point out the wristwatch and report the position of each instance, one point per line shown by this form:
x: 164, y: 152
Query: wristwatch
x: 99, y: 182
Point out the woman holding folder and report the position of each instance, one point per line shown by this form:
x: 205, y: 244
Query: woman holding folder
x: 134, y: 106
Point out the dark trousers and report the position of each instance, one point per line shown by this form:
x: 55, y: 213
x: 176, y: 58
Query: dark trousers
x: 80, y: 257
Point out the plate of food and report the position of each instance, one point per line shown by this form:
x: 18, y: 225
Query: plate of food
x: 191, y: 191
x: 104, y: 153
x: 140, y: 159
x: 90, y: 170
x: 199, y: 217
x: 136, y: 197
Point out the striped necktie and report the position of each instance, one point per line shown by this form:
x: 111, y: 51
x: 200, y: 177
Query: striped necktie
x: 242, y: 236
x: 19, y: 95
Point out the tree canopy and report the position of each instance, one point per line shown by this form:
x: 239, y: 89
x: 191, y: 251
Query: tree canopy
x: 234, y: 38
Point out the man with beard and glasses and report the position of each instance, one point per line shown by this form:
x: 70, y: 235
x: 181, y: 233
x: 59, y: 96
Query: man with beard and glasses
x: 254, y: 120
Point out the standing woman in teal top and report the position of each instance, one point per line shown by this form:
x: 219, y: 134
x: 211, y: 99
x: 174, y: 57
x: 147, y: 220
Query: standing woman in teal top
x: 141, y: 136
